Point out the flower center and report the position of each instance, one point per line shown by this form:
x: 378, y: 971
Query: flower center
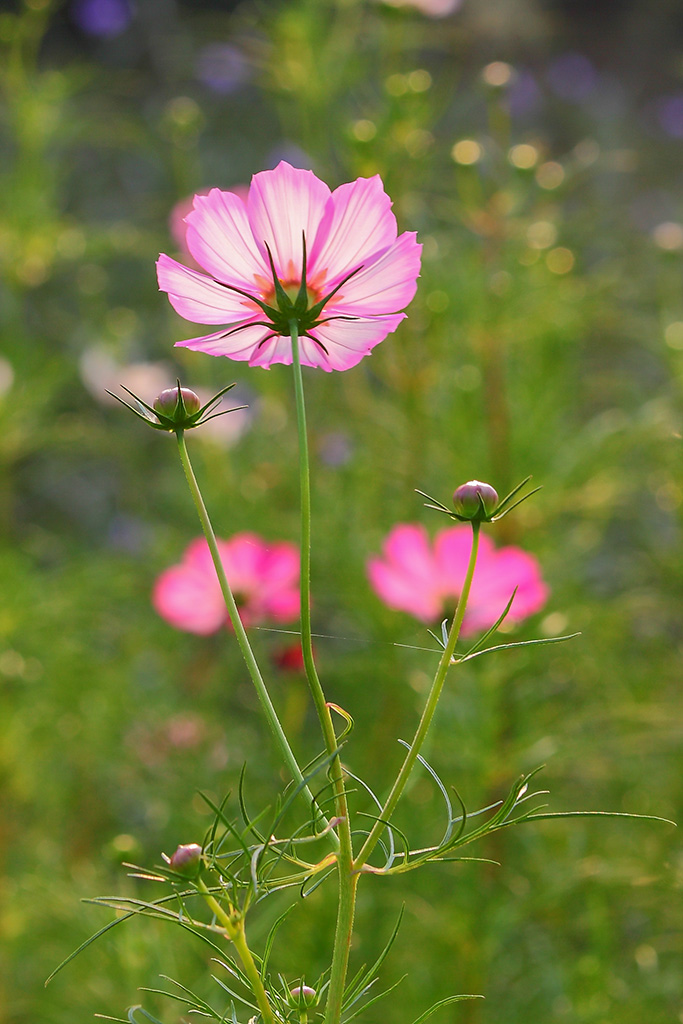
x: 291, y: 289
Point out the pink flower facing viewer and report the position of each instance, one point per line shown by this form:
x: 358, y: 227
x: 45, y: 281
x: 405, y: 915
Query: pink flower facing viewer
x: 425, y: 579
x: 263, y: 577
x: 332, y: 261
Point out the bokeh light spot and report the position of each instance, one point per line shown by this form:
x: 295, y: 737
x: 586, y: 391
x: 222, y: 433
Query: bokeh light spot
x: 550, y: 175
x: 466, y: 152
x: 523, y: 156
x: 498, y: 73
x: 560, y: 260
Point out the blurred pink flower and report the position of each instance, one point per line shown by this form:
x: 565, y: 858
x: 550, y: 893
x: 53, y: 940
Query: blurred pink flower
x: 424, y: 580
x: 263, y: 577
x: 432, y: 8
x: 359, y: 272
x: 101, y: 373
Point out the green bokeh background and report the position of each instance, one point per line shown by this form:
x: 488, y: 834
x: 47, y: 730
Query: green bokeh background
x: 554, y: 350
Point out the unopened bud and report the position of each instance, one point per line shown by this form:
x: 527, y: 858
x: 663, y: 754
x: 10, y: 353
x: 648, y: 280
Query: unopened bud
x: 303, y: 997
x: 186, y: 860
x: 169, y: 402
x: 175, y: 409
x: 475, y: 501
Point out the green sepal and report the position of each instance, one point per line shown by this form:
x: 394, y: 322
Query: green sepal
x: 502, y: 508
x: 181, y: 420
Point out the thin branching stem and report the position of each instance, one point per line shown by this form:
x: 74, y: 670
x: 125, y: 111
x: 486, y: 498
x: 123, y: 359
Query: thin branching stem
x: 234, y: 929
x: 428, y: 713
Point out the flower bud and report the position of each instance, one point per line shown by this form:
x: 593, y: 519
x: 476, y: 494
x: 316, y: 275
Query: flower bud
x: 303, y: 997
x: 475, y: 501
x: 186, y: 860
x: 175, y: 409
x: 169, y: 402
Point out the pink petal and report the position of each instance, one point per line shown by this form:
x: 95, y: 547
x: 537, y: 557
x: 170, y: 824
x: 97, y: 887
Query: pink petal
x: 509, y: 568
x: 276, y: 349
x: 243, y: 558
x: 348, y: 341
x: 220, y: 240
x: 240, y: 344
x: 408, y: 547
x: 282, y: 606
x: 397, y: 590
x: 406, y: 576
x: 358, y: 225
x: 386, y: 285
x: 452, y: 548
x: 282, y: 566
x: 199, y: 298
x: 283, y: 205
x: 197, y: 557
x: 190, y: 600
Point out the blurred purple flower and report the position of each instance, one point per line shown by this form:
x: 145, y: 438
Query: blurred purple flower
x: 670, y: 114
x: 572, y: 76
x: 223, y: 68
x: 128, y: 535
x: 524, y: 94
x: 106, y: 18
x: 291, y: 153
x: 336, y: 448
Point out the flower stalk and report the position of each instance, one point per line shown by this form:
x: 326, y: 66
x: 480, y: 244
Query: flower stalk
x: 429, y: 709
x: 234, y: 929
x: 346, y: 876
x: 243, y: 640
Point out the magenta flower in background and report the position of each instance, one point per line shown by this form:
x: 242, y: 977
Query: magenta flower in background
x: 424, y: 579
x: 264, y: 579
x: 359, y: 273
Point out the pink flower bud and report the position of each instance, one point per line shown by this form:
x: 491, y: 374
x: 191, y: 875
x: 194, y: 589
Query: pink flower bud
x: 168, y: 402
x: 475, y: 501
x: 303, y: 996
x: 186, y: 860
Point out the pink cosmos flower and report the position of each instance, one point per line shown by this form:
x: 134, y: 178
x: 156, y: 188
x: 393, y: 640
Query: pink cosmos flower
x: 425, y: 579
x: 263, y: 577
x: 177, y: 223
x: 294, y: 250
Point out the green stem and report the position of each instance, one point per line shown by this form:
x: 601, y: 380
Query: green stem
x: 428, y: 713
x: 234, y: 929
x: 243, y: 640
x: 347, y: 878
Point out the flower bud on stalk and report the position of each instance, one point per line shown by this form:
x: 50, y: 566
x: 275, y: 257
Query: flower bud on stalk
x: 176, y: 409
x: 303, y: 998
x: 174, y: 402
x: 475, y: 501
x: 186, y: 860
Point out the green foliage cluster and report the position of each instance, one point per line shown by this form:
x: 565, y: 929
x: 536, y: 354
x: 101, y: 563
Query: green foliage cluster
x: 546, y: 338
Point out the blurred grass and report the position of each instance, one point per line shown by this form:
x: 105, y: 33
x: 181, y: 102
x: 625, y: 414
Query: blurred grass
x: 554, y: 350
